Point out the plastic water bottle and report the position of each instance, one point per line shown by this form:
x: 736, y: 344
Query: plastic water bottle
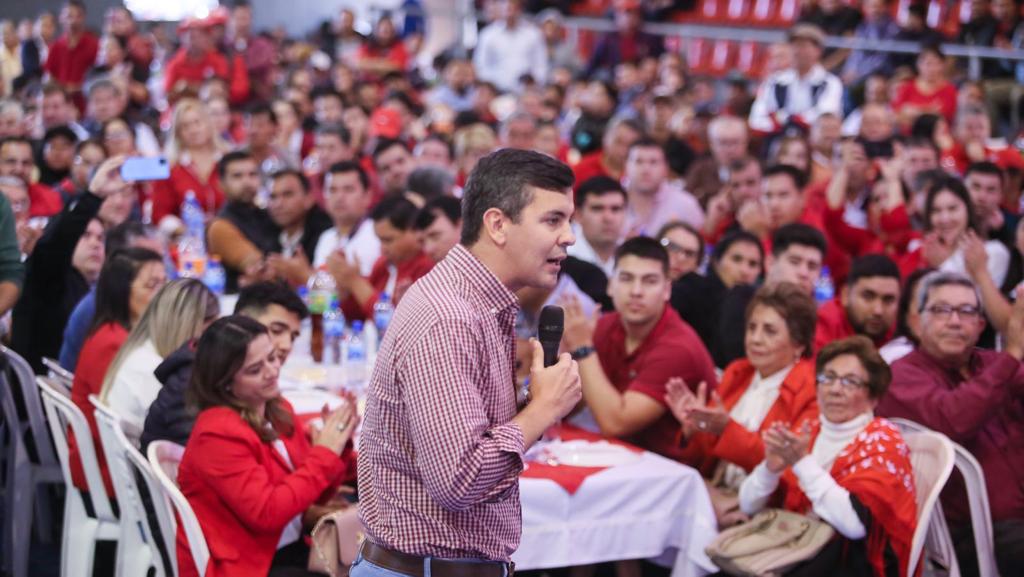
x: 824, y: 290
x: 192, y: 215
x: 214, y: 277
x: 191, y: 245
x: 322, y: 290
x: 334, y: 331
x: 382, y: 313
x: 355, y: 357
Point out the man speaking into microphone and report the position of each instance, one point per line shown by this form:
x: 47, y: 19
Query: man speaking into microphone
x: 442, y: 445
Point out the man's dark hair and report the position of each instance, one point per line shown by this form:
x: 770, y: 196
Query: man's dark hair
x: 598, y: 186
x: 343, y: 134
x: 738, y: 235
x: 385, y: 144
x: 430, y: 182
x: 254, y: 299
x: 233, y: 156
x: 60, y: 131
x: 643, y: 247
x: 647, y: 142
x: 920, y: 142
x: 438, y: 138
x: 83, y: 144
x: 76, y: 4
x: 326, y: 92
x: 122, y: 235
x: 985, y: 167
x: 104, y: 82
x: 262, y: 109
x: 502, y: 180
x: 872, y: 265
x: 447, y: 206
x: 346, y: 166
x: 798, y: 176
x: 286, y: 172
x: 397, y: 210
x: 15, y: 140
x: 799, y: 234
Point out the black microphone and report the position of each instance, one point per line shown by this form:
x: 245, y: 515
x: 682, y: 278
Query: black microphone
x: 549, y: 332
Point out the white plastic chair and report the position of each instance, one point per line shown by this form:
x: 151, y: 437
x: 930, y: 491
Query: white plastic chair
x: 42, y: 460
x: 137, y: 550
x: 165, y: 456
x: 81, y: 532
x: 931, y: 456
x: 977, y: 499
x: 17, y: 488
x: 58, y: 373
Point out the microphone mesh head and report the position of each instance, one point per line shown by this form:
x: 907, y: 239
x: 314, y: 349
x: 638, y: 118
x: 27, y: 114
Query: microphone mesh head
x: 550, y: 324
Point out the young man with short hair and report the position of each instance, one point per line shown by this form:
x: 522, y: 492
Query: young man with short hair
x: 628, y: 356
x: 653, y: 201
x: 393, y: 162
x: 599, y: 219
x: 867, y: 305
x: 440, y: 225
x: 347, y: 198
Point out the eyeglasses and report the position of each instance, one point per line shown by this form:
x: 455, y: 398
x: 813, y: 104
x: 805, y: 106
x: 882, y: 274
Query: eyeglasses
x: 945, y: 312
x: 849, y: 383
x: 673, y: 247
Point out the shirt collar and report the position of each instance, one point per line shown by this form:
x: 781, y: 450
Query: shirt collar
x: 493, y: 293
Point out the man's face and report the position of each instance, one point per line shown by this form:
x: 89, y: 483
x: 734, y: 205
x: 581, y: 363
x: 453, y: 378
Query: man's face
x: 986, y: 193
x: 639, y: 288
x: 17, y: 196
x: 798, y: 264
x: 105, y: 104
x: 88, y: 256
x: 117, y: 207
x: 53, y: 110
x: 459, y: 74
x: 783, y: 200
x: 433, y: 153
x: 857, y: 164
x: 393, y: 168
x: 396, y: 245
x: 601, y: 218
x: 58, y: 153
x: 535, y: 246
x: 72, y: 18
x: 745, y: 184
x: 617, y: 142
x: 646, y: 169
x: 440, y: 236
x: 874, y: 9
x: 327, y: 110
x: 826, y: 133
x: 87, y: 159
x: 871, y: 305
x: 288, y: 202
x: 283, y: 326
x: 345, y: 198
x: 520, y: 134
x: 11, y: 124
x: 950, y: 336
x: 241, y: 21
x: 330, y: 149
x: 262, y: 131
x: 16, y: 160
x: 806, y: 53
x: 876, y: 123
x: 729, y: 145
x: 241, y: 180
x: 917, y: 159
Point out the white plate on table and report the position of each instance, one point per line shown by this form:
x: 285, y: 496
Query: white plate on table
x: 588, y: 454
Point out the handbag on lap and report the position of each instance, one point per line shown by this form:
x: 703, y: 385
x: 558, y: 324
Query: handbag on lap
x: 772, y: 542
x: 336, y: 540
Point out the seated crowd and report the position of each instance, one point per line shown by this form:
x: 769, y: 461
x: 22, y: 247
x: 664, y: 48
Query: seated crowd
x: 756, y: 283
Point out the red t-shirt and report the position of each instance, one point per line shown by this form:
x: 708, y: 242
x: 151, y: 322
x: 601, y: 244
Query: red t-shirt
x: 407, y: 273
x: 43, y: 200
x: 98, y: 352
x: 834, y: 325
x: 672, y: 349
x: 588, y: 167
x: 169, y: 194
x: 68, y: 65
x: 944, y: 99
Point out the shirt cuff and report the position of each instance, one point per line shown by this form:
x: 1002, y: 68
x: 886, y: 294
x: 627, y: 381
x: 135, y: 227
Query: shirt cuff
x: 807, y: 469
x: 508, y: 438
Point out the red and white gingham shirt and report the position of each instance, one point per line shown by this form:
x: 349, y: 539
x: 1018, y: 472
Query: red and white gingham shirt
x: 439, y: 459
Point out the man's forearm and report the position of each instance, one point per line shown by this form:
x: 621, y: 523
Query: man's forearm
x: 604, y: 400
x: 9, y: 292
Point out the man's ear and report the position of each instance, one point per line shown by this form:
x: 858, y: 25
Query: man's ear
x: 495, y: 226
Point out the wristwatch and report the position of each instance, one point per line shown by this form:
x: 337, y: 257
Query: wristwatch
x: 582, y: 352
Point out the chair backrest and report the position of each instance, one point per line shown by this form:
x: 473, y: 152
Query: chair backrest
x: 35, y: 428
x: 58, y: 373
x: 62, y: 415
x: 159, y: 508
x: 931, y: 456
x: 165, y: 456
x: 135, y: 530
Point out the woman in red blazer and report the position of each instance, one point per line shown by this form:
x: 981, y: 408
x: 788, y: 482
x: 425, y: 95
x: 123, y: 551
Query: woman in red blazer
x: 249, y: 471
x: 774, y: 383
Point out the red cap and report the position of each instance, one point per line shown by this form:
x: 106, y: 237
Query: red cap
x: 386, y: 122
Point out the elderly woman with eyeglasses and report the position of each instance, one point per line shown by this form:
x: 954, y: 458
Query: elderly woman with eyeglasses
x: 850, y: 469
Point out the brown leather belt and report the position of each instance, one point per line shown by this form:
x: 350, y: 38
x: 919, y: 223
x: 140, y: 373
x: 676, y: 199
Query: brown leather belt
x: 413, y: 565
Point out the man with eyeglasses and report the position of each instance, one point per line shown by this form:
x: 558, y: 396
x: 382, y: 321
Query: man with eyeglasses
x: 976, y: 398
x: 867, y: 304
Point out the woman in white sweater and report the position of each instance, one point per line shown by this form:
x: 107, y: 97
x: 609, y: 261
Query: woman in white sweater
x: 179, y: 312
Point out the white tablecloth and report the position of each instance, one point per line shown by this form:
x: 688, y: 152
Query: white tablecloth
x: 651, y: 509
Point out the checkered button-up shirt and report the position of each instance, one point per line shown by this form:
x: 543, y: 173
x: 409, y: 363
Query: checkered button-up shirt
x: 439, y: 459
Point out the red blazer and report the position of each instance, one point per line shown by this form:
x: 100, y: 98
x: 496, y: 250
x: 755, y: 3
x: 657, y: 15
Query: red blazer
x: 797, y: 402
x: 244, y: 493
x: 168, y: 195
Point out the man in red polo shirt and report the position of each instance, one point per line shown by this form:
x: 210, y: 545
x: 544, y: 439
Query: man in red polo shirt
x: 16, y: 160
x: 867, y: 305
x: 611, y: 159
x: 198, y: 59
x: 74, y: 53
x: 627, y: 356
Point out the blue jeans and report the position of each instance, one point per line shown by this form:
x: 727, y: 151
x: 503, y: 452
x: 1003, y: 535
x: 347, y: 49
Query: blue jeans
x: 363, y: 568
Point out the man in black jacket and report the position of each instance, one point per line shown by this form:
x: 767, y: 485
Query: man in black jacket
x: 272, y: 303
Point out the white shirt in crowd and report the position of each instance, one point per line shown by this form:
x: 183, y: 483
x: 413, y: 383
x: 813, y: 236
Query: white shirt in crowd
x: 801, y: 98
x: 362, y: 244
x: 585, y: 252
x: 750, y: 411
x: 504, y: 54
x: 135, y: 387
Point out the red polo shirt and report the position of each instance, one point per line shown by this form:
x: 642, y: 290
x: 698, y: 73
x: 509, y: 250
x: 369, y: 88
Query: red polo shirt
x: 672, y: 349
x: 407, y: 273
x: 834, y: 325
x: 588, y: 167
x: 43, y: 200
x: 68, y: 65
x: 169, y: 194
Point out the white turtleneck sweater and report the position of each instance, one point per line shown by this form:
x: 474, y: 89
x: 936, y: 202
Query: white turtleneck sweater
x: 830, y: 501
x: 750, y: 411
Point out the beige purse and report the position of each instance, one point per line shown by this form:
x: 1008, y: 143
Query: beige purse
x: 336, y: 540
x: 769, y: 544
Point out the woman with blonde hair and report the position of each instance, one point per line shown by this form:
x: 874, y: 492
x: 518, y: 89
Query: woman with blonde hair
x: 193, y: 151
x: 472, y: 143
x: 178, y: 313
